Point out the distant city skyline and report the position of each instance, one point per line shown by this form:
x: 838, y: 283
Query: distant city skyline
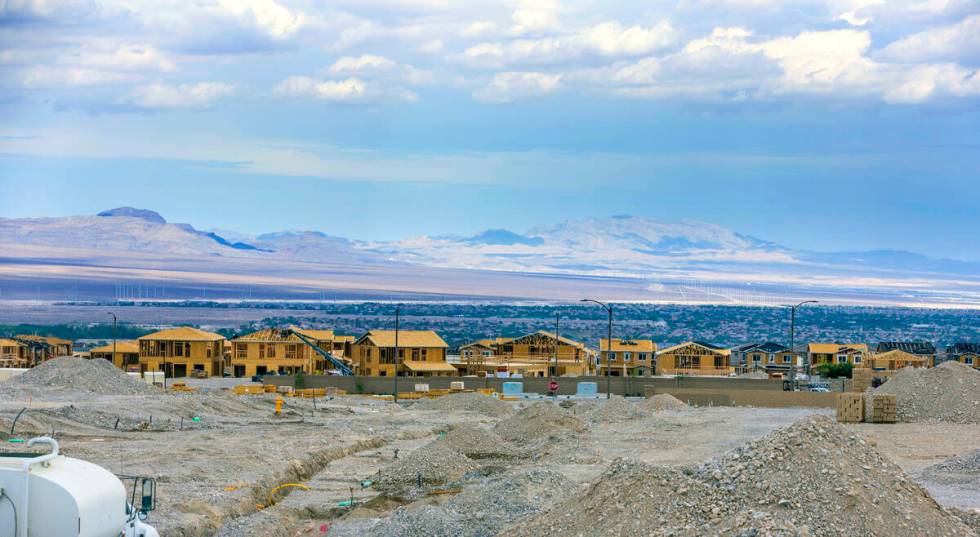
x: 825, y: 125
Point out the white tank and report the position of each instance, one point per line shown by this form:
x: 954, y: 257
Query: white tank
x: 63, y: 496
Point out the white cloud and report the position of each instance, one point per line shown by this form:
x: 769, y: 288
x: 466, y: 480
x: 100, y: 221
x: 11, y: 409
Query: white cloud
x: 57, y: 78
x: 535, y: 17
x: 200, y: 95
x: 327, y: 90
x: 506, y: 87
x: 366, y: 62
x: 612, y: 39
x: 45, y: 8
x: 431, y: 47
x: 478, y: 29
x: 124, y: 57
x: 269, y: 16
x: 960, y: 41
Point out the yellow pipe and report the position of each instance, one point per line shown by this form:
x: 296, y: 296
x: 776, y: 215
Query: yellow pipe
x: 284, y: 485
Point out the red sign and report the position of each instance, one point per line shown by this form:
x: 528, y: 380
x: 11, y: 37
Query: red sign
x: 553, y: 386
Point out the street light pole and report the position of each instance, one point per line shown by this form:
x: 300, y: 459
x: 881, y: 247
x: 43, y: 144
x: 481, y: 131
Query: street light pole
x: 556, y: 352
x: 398, y: 310
x: 113, y: 337
x: 792, y: 340
x: 608, y: 342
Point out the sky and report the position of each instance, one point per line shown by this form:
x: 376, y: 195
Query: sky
x: 818, y: 124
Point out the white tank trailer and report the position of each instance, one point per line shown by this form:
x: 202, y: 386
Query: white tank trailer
x: 50, y: 495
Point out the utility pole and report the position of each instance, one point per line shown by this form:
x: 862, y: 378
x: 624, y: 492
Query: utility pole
x: 398, y: 310
x: 608, y: 342
x: 792, y: 342
x: 114, y: 338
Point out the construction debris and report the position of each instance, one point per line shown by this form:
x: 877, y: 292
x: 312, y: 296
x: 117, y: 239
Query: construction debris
x: 812, y: 478
x: 962, y: 469
x: 434, y: 464
x: 477, y: 442
x: 612, y: 410
x: 70, y: 374
x: 948, y: 393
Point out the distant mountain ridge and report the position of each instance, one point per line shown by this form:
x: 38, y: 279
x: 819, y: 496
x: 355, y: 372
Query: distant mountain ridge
x: 620, y: 245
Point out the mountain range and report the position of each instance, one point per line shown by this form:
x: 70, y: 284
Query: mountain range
x: 659, y: 258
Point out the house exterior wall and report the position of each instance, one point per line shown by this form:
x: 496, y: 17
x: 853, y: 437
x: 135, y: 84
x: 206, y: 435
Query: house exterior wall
x: 373, y: 361
x: 693, y: 360
x: 174, y: 356
x: 249, y: 358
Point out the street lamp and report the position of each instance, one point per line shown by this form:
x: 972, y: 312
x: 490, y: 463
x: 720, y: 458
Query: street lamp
x: 792, y: 338
x: 398, y: 311
x: 555, y: 374
x: 608, y: 342
x: 113, y: 337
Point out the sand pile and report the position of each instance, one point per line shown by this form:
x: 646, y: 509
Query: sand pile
x: 433, y: 464
x: 663, y: 401
x: 613, y: 410
x: 66, y: 373
x: 470, y: 402
x: 538, y: 421
x: 949, y: 393
x: 812, y: 478
x: 477, y: 442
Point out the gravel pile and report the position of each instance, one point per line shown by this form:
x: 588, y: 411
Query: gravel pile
x: 538, y: 421
x: 970, y: 517
x: 663, y: 401
x: 97, y: 377
x: 482, y: 509
x: 812, y: 478
x: 962, y: 469
x: 615, y: 409
x: 949, y: 393
x: 477, y: 442
x: 434, y: 464
x: 469, y: 401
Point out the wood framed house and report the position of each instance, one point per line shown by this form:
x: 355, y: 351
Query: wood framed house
x: 538, y: 354
x: 855, y: 354
x: 964, y: 353
x: 773, y: 358
x: 919, y: 348
x: 694, y: 358
x: 279, y: 351
x: 39, y: 349
x: 13, y: 353
x: 421, y: 353
x: 127, y: 356
x: 178, y: 352
x: 626, y: 357
x: 897, y: 359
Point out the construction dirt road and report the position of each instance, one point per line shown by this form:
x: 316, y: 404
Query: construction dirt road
x: 470, y: 465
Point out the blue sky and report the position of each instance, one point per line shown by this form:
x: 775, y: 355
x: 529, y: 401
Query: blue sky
x: 818, y: 124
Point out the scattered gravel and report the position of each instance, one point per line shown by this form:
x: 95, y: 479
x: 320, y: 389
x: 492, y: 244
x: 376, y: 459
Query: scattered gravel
x: 432, y: 465
x: 949, y: 393
x: 970, y: 517
x: 812, y: 478
x: 469, y: 401
x: 962, y: 469
x: 67, y: 373
x: 663, y: 401
x: 538, y: 421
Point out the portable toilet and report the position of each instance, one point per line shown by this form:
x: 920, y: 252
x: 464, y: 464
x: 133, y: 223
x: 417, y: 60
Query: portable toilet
x: 513, y: 389
x: 587, y: 390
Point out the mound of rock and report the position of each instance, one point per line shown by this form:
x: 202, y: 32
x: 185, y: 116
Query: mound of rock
x: 431, y: 465
x: 72, y: 374
x: 468, y: 402
x: 612, y: 410
x: 812, y: 478
x: 477, y: 442
x: 962, y: 469
x: 538, y: 421
x: 949, y: 393
x: 663, y: 401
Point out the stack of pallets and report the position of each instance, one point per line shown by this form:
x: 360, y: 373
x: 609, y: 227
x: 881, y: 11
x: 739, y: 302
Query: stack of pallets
x: 850, y: 407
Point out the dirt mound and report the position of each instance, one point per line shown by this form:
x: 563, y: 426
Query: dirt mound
x: 812, y: 478
x: 538, y: 421
x: 477, y: 442
x: 613, y: 410
x: 471, y: 402
x: 962, y: 469
x: 948, y: 393
x: 434, y: 464
x: 663, y: 401
x: 97, y: 377
x: 970, y: 517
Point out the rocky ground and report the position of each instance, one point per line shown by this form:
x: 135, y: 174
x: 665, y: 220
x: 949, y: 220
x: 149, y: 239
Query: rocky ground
x: 468, y: 465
